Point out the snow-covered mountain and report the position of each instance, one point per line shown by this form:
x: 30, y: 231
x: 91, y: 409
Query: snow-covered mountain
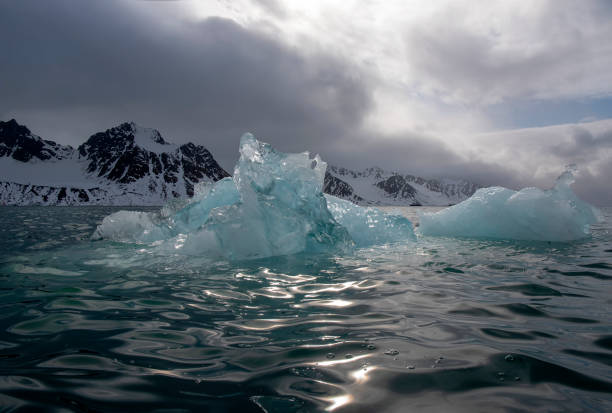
x: 132, y: 165
x: 125, y: 165
x: 375, y: 186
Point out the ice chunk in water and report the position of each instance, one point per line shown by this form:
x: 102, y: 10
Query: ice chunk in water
x: 529, y: 214
x: 137, y: 226
x: 370, y: 226
x: 131, y: 226
x: 273, y: 205
x: 282, y: 209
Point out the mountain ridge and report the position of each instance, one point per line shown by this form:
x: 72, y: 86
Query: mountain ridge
x: 124, y: 165
x: 377, y: 186
x: 133, y: 165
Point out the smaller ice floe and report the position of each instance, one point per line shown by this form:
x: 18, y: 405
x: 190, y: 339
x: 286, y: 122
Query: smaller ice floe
x: 529, y: 214
x: 273, y: 205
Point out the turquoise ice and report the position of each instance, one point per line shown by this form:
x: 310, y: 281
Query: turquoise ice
x: 529, y: 214
x: 273, y: 205
x: 370, y: 226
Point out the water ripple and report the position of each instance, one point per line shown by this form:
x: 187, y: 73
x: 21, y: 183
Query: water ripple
x: 443, y: 325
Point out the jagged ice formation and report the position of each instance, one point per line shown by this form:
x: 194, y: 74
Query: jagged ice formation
x: 273, y: 205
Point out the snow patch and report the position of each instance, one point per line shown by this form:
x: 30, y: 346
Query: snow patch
x: 150, y: 140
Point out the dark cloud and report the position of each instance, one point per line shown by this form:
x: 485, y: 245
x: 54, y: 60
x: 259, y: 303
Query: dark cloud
x: 208, y: 82
x: 69, y: 70
x: 411, y: 153
x: 583, y: 144
x: 595, y: 188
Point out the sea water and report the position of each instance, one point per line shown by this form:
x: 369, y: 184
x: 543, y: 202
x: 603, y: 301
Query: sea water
x: 440, y: 324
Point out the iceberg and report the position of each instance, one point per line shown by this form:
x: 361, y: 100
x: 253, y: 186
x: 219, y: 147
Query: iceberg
x: 273, y: 205
x: 529, y: 214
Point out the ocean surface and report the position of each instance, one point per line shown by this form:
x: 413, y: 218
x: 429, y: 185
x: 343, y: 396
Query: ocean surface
x: 438, y: 325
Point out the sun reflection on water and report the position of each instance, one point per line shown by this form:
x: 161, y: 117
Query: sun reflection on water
x: 361, y: 375
x: 338, y: 401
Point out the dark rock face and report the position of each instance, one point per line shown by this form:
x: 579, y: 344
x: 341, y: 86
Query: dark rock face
x: 396, y: 186
x: 337, y: 187
x: 20, y: 194
x: 124, y: 160
x: 375, y: 172
x: 20, y: 144
x: 116, y: 155
x: 198, y: 163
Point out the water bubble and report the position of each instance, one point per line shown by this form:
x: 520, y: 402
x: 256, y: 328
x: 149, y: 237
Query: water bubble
x: 509, y: 357
x: 348, y: 356
x: 517, y: 378
x: 371, y: 347
x: 410, y: 367
x: 330, y: 355
x: 392, y: 352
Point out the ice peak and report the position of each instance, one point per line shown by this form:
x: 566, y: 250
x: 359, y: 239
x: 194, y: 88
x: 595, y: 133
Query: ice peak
x: 250, y: 148
x: 568, y: 176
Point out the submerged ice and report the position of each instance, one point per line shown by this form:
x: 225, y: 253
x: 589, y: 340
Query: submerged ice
x: 273, y: 205
x: 529, y: 214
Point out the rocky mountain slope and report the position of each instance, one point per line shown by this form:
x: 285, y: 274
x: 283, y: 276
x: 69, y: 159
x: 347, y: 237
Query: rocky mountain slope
x: 132, y: 165
x: 125, y: 165
x: 379, y: 187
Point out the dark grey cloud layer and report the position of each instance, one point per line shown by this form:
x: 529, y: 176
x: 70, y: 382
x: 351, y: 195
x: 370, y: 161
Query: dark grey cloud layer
x: 69, y: 69
x: 582, y: 144
x: 208, y: 82
x: 426, y: 155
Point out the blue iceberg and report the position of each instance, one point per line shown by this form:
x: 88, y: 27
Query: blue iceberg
x: 273, y: 205
x: 529, y: 214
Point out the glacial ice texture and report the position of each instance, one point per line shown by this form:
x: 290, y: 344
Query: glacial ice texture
x: 529, y: 214
x: 370, y: 226
x: 273, y: 205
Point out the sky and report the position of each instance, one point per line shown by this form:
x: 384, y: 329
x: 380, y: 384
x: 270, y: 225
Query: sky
x: 498, y: 92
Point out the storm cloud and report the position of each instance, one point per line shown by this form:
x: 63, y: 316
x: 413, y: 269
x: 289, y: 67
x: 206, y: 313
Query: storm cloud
x: 210, y: 81
x: 399, y: 85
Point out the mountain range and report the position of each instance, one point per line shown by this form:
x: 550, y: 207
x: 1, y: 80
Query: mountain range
x: 132, y: 165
